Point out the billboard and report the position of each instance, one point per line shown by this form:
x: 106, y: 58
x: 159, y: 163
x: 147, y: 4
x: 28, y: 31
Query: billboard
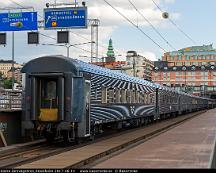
x: 20, y: 21
x: 62, y: 18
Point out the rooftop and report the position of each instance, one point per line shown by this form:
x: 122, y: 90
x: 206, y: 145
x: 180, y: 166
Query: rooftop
x: 198, y: 48
x: 194, y: 50
x: 6, y: 61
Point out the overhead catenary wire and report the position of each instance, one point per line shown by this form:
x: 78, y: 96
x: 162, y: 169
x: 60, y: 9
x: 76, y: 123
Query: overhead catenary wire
x: 99, y: 44
x: 171, y: 21
x: 136, y: 26
x: 22, y: 6
x: 166, y: 41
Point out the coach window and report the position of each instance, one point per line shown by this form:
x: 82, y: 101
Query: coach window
x: 141, y: 98
x: 123, y: 96
x: 137, y: 96
x: 132, y: 96
x: 104, y: 95
x: 111, y: 95
x: 128, y: 96
x: 146, y: 98
x: 149, y: 98
x: 95, y: 93
x: 152, y: 98
x: 170, y: 100
x: 117, y: 95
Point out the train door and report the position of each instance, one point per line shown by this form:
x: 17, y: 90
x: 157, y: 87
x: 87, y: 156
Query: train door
x: 87, y: 106
x: 48, y: 101
x: 47, y: 98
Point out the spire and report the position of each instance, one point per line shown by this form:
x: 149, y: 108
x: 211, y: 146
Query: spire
x: 110, y: 52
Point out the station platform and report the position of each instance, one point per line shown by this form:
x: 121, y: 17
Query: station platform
x: 189, y: 145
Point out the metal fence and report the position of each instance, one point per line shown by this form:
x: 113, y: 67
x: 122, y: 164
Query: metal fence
x: 10, y: 100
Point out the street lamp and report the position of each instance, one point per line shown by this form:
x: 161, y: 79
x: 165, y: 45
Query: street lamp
x: 66, y: 45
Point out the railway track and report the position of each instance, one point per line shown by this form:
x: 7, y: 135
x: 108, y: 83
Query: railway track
x: 100, y: 157
x: 101, y: 148
x: 24, y: 155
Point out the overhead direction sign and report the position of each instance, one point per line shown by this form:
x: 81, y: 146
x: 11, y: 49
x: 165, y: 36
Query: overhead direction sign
x: 61, y: 18
x: 20, y: 21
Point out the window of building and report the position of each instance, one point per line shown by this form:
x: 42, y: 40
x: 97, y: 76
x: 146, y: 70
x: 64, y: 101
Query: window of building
x: 204, y: 78
x: 187, y: 57
x: 204, y: 83
x: 178, y: 78
x: 204, y: 74
x: 179, y: 57
x: 195, y: 63
x: 178, y: 63
x: 187, y: 63
x: 170, y: 64
x: 179, y: 73
x: 210, y: 88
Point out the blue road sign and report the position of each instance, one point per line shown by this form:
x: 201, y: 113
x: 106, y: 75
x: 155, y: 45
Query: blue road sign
x: 60, y: 18
x: 20, y: 21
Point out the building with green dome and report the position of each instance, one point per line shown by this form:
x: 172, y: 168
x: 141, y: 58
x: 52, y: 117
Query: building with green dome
x: 110, y: 52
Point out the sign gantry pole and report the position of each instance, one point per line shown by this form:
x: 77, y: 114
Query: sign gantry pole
x: 13, y: 76
x: 17, y: 21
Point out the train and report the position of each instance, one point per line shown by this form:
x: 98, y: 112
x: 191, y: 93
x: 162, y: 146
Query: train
x: 70, y: 99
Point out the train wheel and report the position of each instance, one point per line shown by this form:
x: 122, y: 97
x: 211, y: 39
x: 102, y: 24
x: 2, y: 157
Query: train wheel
x: 50, y: 137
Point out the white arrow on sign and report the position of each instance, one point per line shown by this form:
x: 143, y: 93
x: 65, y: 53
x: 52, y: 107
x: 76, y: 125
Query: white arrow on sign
x: 49, y: 17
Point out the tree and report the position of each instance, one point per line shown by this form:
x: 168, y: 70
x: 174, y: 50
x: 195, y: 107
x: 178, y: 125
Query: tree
x: 7, y: 84
x: 1, y: 75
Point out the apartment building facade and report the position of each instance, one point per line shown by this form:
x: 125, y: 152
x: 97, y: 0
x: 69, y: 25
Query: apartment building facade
x: 192, y: 69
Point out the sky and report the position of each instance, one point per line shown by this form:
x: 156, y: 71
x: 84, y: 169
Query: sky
x: 195, y: 18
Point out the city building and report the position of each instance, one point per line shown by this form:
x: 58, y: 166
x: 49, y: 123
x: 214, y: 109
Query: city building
x: 6, y: 65
x: 17, y: 74
x: 110, y: 61
x: 135, y: 65
x: 192, y: 69
x: 139, y: 66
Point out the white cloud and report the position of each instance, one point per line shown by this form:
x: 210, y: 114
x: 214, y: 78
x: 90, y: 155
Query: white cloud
x: 110, y: 20
x: 169, y: 1
x: 149, y: 55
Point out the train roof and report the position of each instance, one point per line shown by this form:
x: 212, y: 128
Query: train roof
x: 59, y: 63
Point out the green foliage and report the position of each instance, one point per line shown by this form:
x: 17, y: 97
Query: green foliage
x: 1, y: 75
x: 7, y: 84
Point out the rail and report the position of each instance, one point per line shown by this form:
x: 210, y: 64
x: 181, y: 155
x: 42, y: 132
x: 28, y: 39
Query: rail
x: 10, y: 100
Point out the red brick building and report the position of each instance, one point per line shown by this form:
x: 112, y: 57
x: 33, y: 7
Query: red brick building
x: 192, y: 69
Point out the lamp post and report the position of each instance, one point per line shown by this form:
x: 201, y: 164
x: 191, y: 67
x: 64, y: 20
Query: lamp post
x: 66, y: 45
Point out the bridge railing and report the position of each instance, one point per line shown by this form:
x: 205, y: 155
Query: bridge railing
x: 10, y: 100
